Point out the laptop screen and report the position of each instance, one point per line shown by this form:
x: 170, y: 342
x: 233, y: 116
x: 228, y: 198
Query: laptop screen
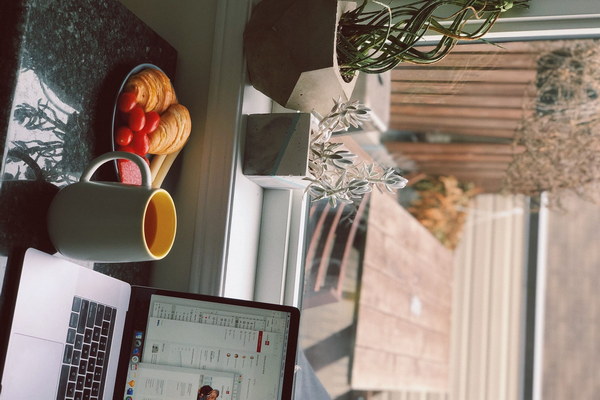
x: 207, y: 348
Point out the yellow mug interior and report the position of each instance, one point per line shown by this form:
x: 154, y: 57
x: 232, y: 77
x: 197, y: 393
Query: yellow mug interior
x: 160, y: 224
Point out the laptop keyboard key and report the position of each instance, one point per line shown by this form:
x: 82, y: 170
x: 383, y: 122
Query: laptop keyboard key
x: 91, y: 365
x: 95, y: 389
x: 62, y: 382
x: 102, y: 343
x: 107, y: 312
x: 85, y: 351
x: 91, y: 318
x: 94, y: 350
x: 72, y: 373
x: 76, y: 304
x: 98, y: 374
x: 68, y: 356
x: 96, y: 334
x: 70, y: 389
x: 76, y: 357
x: 87, y: 347
x: 73, y: 320
x: 89, y: 378
x: 87, y: 337
x: 71, y: 336
x: 105, y: 327
x: 83, y: 316
x: 100, y: 359
x: 99, y: 315
x: 82, y: 367
x: 78, y: 341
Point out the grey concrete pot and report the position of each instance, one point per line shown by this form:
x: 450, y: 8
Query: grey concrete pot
x: 277, y: 149
x: 290, y: 50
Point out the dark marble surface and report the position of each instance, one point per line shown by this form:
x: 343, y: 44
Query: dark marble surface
x: 63, y: 62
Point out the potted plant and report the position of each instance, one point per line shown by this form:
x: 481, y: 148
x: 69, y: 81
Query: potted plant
x: 375, y: 41
x: 276, y: 149
x: 326, y: 168
x: 303, y: 53
x: 290, y: 52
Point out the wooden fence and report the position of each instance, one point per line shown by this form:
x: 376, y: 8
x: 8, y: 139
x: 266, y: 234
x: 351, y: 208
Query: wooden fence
x: 478, y: 94
x: 482, y: 163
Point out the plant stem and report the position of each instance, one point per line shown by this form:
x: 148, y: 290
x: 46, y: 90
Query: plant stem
x: 377, y: 41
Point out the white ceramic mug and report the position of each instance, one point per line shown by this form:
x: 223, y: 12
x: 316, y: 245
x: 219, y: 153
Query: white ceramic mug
x: 112, y: 221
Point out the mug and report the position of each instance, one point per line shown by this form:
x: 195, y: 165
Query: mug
x: 113, y: 221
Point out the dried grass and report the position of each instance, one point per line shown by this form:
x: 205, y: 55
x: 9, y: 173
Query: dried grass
x: 562, y: 137
x: 441, y: 206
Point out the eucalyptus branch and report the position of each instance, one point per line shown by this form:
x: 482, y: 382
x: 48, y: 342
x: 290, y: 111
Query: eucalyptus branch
x: 335, y: 174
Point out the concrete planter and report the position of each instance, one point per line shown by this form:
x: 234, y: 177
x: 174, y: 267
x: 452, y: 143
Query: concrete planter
x: 290, y: 50
x: 277, y: 149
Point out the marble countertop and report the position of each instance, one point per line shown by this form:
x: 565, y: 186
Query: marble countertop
x: 63, y: 63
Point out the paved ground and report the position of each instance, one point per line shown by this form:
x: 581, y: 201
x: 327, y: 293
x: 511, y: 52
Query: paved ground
x: 572, y: 321
x: 327, y: 337
x: 572, y: 326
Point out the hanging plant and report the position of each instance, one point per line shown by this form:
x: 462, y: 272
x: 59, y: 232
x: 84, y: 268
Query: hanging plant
x: 377, y: 41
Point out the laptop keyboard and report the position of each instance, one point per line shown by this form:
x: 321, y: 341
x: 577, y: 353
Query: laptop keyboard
x: 86, y: 350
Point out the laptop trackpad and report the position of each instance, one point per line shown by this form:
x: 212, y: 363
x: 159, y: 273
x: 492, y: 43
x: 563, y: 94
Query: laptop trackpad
x: 25, y: 377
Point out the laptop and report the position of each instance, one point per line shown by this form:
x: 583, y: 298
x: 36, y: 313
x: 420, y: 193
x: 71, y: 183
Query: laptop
x: 80, y: 334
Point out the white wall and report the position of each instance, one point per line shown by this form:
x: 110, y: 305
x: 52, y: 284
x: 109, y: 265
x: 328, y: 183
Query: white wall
x: 561, y: 7
x: 539, y: 8
x: 547, y: 19
x: 551, y: 19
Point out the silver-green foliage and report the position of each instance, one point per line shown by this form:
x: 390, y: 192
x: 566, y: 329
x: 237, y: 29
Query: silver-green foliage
x: 336, y: 175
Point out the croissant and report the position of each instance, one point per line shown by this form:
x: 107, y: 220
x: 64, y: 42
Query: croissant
x: 153, y: 89
x: 172, y: 131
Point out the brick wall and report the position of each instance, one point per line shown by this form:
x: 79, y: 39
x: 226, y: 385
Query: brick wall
x: 405, y: 304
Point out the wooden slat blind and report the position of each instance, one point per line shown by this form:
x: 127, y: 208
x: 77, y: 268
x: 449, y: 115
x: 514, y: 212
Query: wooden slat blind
x: 481, y: 163
x: 478, y: 92
x: 486, y: 320
x: 474, y: 79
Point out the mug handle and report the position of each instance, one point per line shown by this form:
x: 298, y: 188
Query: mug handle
x: 115, y: 155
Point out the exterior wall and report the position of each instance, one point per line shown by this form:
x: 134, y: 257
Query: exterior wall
x: 488, y: 285
x: 571, y: 331
x: 405, y: 305
x: 488, y: 299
